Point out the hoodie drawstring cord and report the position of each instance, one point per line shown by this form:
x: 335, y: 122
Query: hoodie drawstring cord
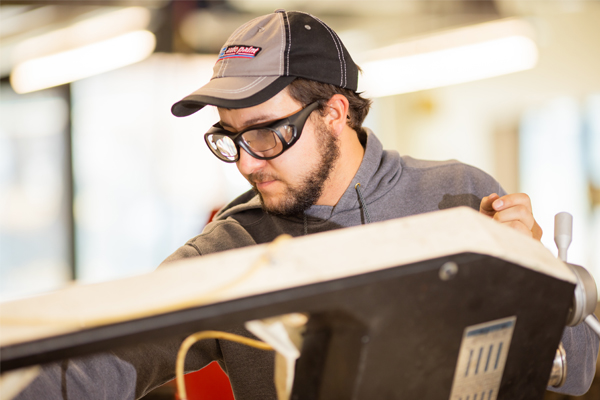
x: 362, y: 202
x: 305, y: 225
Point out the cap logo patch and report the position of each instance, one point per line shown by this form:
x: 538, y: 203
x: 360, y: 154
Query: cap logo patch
x: 238, y: 51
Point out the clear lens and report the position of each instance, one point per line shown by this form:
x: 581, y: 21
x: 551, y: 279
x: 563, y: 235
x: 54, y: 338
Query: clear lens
x: 260, y: 139
x: 223, y: 147
x: 263, y: 142
x: 287, y: 132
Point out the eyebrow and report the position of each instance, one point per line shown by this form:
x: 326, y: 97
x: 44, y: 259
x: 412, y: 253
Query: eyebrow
x: 251, y: 122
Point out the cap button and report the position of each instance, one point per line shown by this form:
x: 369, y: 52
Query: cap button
x: 281, y: 10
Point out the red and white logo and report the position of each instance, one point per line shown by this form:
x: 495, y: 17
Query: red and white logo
x: 238, y: 51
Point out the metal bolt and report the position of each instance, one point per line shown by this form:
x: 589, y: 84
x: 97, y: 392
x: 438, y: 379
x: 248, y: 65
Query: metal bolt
x: 448, y: 270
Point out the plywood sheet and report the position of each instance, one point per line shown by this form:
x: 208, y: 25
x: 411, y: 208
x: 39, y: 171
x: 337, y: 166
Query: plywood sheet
x: 286, y: 263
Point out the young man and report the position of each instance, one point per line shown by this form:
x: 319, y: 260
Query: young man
x: 291, y: 120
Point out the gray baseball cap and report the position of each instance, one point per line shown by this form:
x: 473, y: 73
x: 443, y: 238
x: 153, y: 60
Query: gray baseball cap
x: 265, y: 55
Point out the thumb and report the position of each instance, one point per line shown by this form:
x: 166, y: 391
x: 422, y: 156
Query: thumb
x: 485, y: 207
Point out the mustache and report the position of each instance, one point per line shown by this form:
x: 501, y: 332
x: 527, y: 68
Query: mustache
x: 259, y: 176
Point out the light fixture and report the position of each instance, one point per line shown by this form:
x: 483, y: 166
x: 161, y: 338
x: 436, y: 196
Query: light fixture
x: 82, y: 62
x: 91, y: 27
x: 458, y: 56
x: 98, y: 42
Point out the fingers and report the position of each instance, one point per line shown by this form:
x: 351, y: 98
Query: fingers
x: 537, y: 231
x: 511, y: 200
x: 519, y: 226
x: 485, y: 206
x: 516, y: 213
x: 513, y: 210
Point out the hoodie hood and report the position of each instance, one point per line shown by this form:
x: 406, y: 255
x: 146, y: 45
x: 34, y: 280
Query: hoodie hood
x: 390, y: 186
x: 378, y: 173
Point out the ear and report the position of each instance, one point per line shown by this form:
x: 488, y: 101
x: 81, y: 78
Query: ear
x: 336, y: 118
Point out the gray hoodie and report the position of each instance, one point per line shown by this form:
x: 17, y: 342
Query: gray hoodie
x: 391, y: 186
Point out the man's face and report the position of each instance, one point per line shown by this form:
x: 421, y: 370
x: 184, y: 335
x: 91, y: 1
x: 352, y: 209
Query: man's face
x: 294, y: 181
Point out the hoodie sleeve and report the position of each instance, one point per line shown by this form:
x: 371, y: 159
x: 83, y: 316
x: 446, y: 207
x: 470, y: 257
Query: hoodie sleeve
x: 122, y: 374
x: 129, y: 373
x: 581, y: 347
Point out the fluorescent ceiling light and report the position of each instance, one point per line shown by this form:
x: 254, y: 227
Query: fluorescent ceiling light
x: 89, y: 30
x: 459, y: 56
x: 17, y: 19
x: 72, y: 65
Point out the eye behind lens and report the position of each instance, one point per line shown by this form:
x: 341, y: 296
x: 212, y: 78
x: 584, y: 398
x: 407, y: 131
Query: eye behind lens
x: 260, y: 140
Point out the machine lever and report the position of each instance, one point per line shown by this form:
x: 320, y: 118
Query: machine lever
x: 585, y: 296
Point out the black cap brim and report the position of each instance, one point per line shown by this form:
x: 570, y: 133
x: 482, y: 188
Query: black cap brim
x: 196, y: 101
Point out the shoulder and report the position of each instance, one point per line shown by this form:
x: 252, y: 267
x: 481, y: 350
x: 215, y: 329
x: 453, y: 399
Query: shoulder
x: 227, y: 231
x: 221, y: 235
x: 441, y: 171
x: 246, y: 201
x: 217, y: 236
x: 452, y: 183
x: 409, y: 162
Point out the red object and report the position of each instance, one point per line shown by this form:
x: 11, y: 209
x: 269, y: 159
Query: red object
x: 210, y: 383
x: 212, y: 215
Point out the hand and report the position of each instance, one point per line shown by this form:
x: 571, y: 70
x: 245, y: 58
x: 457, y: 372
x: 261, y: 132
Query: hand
x: 513, y: 210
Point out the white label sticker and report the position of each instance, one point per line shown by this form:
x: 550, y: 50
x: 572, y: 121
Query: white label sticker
x: 481, y: 360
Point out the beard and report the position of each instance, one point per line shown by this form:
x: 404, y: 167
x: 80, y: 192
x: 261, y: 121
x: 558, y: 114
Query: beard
x: 298, y: 198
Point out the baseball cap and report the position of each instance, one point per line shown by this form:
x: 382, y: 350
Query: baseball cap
x: 265, y: 55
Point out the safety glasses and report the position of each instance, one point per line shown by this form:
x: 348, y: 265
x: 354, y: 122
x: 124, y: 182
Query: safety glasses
x: 262, y: 142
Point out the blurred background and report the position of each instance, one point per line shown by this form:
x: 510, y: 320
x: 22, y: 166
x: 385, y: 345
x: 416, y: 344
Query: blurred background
x: 99, y: 181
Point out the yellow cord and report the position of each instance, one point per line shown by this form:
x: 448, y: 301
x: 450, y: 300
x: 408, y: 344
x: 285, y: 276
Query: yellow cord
x: 189, y: 342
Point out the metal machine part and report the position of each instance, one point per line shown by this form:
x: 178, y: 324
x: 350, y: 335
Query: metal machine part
x: 448, y: 271
x: 585, y: 296
x: 558, y: 375
x: 563, y: 233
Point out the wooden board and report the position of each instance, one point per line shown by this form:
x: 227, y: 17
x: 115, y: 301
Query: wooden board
x: 280, y: 265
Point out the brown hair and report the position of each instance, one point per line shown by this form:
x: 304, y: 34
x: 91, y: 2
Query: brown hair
x: 307, y: 91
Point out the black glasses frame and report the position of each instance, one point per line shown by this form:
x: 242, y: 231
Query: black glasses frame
x: 295, y: 121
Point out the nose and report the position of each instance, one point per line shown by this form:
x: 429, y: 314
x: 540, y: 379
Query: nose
x: 248, y: 164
